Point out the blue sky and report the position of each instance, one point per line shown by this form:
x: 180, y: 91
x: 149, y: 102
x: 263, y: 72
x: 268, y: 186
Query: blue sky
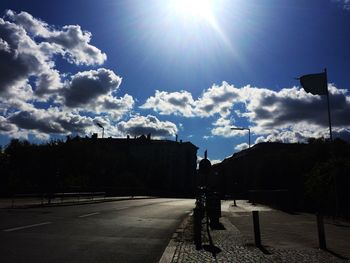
x: 192, y: 68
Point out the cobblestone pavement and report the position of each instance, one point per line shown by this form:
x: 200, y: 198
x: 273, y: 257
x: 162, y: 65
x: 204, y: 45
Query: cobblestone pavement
x: 235, y: 248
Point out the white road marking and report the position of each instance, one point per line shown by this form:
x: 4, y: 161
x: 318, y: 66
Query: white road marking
x: 122, y: 208
x: 91, y: 214
x: 23, y: 227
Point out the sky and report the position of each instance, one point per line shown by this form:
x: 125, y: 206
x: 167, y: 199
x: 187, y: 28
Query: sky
x: 173, y: 67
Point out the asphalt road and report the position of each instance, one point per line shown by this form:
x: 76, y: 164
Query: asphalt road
x: 120, y: 231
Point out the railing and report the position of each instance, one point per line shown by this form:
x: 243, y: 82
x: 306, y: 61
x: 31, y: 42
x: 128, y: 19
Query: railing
x: 198, y: 216
x: 54, y: 198
x: 208, y: 206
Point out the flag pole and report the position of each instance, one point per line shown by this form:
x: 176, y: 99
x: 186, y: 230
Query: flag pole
x: 329, y: 110
x: 332, y: 152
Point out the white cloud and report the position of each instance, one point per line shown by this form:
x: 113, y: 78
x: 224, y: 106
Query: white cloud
x: 29, y: 78
x: 33, y: 26
x: 6, y: 126
x: 290, y: 114
x: 166, y: 103
x: 242, y: 146
x: 74, y: 44
x: 215, y: 161
x: 141, y: 125
x: 114, y: 107
x: 225, y: 131
x: 268, y: 111
x: 70, y: 40
x: 4, y: 46
x: 216, y: 100
x: 27, y: 49
x: 286, y: 136
x: 50, y: 121
x: 84, y: 87
x: 302, y: 135
x: 95, y: 91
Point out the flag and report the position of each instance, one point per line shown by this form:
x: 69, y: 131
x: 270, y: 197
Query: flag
x: 315, y: 84
x: 99, y: 125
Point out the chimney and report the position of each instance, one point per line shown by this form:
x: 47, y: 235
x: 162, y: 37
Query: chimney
x: 176, y: 138
x: 149, y: 136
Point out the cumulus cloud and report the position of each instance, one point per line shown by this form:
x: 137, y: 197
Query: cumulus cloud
x: 115, y: 107
x: 297, y: 113
x: 215, y: 100
x: 286, y: 136
x: 86, y: 86
x: 70, y: 40
x: 18, y: 58
x: 343, y: 133
x: 266, y: 111
x: 42, y: 123
x: 226, y: 131
x: 166, y: 103
x: 242, y: 146
x: 6, y: 126
x: 271, y: 110
x: 139, y: 125
x: 50, y: 121
x: 27, y: 48
x: 95, y: 91
x: 303, y: 135
x: 36, y: 98
x: 30, y: 24
x: 74, y: 44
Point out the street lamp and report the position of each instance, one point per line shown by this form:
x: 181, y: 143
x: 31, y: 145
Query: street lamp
x: 242, y: 129
x: 239, y: 129
x: 103, y: 129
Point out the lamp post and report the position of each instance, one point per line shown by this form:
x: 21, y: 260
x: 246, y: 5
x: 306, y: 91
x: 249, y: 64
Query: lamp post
x: 103, y: 129
x: 242, y: 129
x: 235, y: 183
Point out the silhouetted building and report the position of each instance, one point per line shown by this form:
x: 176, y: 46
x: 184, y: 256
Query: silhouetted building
x: 161, y: 166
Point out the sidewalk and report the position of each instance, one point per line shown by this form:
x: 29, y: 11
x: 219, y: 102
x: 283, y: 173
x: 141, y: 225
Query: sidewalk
x: 286, y: 238
x: 280, y: 230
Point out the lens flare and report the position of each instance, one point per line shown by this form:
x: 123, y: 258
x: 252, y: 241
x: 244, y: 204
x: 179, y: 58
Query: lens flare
x: 197, y: 9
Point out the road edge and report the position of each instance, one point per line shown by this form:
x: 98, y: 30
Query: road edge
x: 75, y: 202
x: 170, y: 250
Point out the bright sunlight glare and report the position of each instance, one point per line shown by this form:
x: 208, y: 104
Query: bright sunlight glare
x: 197, y: 12
x: 197, y: 9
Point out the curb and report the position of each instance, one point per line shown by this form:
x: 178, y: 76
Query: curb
x: 170, y: 250
x: 79, y: 202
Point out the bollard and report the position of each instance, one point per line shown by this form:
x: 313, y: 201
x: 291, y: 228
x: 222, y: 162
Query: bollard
x: 213, y: 208
x: 197, y: 228
x: 256, y: 228
x: 321, y: 233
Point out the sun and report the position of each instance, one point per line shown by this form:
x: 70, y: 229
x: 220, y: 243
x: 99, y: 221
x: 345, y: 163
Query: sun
x: 196, y: 9
x: 199, y: 17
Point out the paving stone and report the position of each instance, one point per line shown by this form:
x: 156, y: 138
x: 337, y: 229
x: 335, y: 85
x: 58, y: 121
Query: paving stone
x: 235, y: 248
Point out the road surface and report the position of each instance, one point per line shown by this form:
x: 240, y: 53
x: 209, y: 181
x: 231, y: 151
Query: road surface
x: 121, y: 231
